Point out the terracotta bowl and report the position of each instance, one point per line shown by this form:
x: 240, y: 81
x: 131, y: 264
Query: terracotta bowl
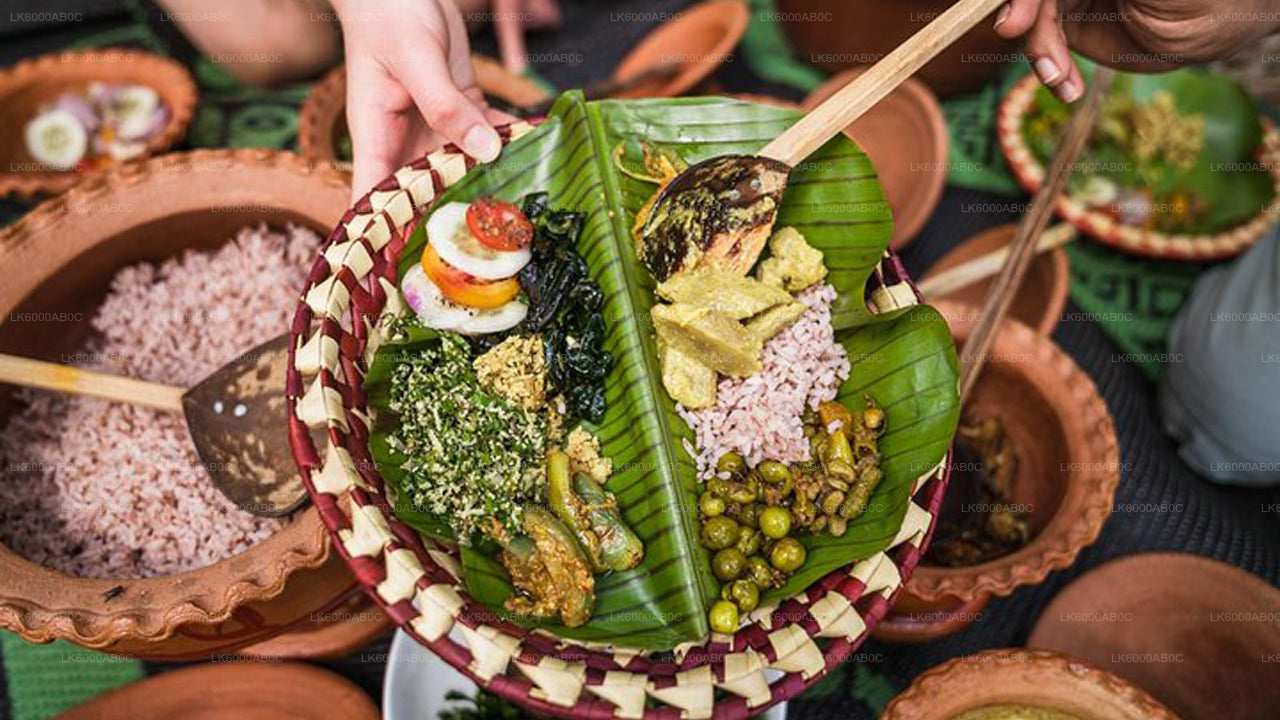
x: 69, y: 248
x: 1043, y: 293
x: 906, y: 137
x: 244, y: 691
x: 1032, y: 678
x: 1198, y: 633
x: 839, y: 34
x: 1069, y: 467
x: 322, y: 120
x: 700, y: 39
x: 31, y: 84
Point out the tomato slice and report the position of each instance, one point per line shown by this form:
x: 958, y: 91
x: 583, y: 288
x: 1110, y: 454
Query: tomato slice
x: 464, y: 288
x: 499, y: 225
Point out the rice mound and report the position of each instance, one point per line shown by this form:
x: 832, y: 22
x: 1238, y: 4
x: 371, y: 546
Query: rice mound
x: 95, y: 488
x: 760, y: 416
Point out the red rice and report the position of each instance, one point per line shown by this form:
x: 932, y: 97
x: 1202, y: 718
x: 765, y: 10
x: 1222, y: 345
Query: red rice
x: 760, y: 416
x: 101, y: 489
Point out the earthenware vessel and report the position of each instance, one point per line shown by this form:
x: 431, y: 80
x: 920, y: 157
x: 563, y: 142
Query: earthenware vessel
x: 247, y: 691
x: 1033, y: 678
x: 1043, y: 292
x: 69, y: 248
x: 354, y: 623
x: 698, y: 40
x: 837, y: 34
x: 32, y: 84
x: 1198, y: 633
x: 1068, y: 470
x: 906, y: 137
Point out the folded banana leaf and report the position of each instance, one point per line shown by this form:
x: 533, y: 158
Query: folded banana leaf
x: 905, y: 360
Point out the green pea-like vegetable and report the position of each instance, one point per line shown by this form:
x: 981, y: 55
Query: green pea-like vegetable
x: 775, y: 522
x: 731, y: 462
x: 724, y: 617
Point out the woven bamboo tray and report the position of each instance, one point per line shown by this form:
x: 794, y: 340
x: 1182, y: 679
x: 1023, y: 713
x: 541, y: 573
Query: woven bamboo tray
x: 1140, y: 241
x: 779, y: 651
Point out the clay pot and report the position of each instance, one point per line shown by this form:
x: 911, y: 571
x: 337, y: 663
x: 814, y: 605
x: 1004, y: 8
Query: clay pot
x: 905, y: 135
x: 1032, y: 678
x: 322, y: 121
x: 1068, y: 470
x: 28, y: 86
x: 69, y: 248
x: 840, y: 34
x: 1043, y: 292
x: 699, y: 39
x: 356, y: 622
x: 245, y: 691
x: 1213, y: 621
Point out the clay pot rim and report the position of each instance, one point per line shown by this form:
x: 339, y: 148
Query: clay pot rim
x: 1061, y: 274
x: 169, y: 78
x: 192, y: 596
x: 327, y: 101
x: 1029, y: 173
x: 174, y: 694
x: 978, y: 671
x: 1090, y: 494
x: 923, y: 99
x: 733, y: 15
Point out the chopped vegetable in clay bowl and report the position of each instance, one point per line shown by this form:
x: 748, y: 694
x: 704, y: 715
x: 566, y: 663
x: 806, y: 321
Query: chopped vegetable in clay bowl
x: 87, y: 111
x: 609, y: 437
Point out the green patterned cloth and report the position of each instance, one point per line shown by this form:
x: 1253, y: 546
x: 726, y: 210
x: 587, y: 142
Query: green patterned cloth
x: 44, y: 680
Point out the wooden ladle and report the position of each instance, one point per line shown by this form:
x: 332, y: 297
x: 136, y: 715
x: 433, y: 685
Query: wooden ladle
x: 744, y: 191
x: 236, y: 417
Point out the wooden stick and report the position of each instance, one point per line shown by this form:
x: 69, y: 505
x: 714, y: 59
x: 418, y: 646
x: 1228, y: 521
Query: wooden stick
x: 984, y: 266
x: 838, y: 111
x: 973, y: 354
x: 65, y: 378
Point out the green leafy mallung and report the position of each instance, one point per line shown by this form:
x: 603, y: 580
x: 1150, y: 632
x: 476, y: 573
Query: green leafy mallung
x: 904, y: 359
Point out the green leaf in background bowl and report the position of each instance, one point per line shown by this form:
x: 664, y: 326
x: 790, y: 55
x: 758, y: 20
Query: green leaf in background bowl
x: 835, y: 199
x: 1227, y: 174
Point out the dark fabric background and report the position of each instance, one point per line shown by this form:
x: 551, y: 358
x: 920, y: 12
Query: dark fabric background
x: 1228, y: 524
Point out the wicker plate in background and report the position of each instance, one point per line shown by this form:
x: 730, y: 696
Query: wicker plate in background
x: 779, y: 651
x: 1030, y: 173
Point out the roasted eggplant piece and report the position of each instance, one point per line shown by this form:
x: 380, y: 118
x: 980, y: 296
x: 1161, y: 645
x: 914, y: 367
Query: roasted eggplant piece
x: 550, y: 571
x: 717, y: 213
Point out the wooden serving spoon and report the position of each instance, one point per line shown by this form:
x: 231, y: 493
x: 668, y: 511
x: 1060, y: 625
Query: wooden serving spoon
x: 746, y: 190
x: 235, y: 417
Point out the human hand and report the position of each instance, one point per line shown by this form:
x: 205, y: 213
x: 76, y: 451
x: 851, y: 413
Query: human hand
x: 410, y: 86
x: 1134, y: 35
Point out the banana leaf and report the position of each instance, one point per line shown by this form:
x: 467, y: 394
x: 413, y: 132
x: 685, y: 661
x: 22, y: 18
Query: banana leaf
x: 1227, y: 175
x: 906, y: 359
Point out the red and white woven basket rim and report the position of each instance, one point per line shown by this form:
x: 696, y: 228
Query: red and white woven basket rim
x: 780, y: 650
x: 1030, y: 173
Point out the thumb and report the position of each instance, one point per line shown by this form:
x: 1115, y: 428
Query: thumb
x: 446, y: 109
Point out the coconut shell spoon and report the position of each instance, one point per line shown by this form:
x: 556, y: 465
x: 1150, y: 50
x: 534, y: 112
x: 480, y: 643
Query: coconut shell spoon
x: 721, y: 211
x: 234, y: 417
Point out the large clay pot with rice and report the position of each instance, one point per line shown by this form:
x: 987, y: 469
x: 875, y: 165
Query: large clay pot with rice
x: 68, y: 249
x: 836, y: 35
